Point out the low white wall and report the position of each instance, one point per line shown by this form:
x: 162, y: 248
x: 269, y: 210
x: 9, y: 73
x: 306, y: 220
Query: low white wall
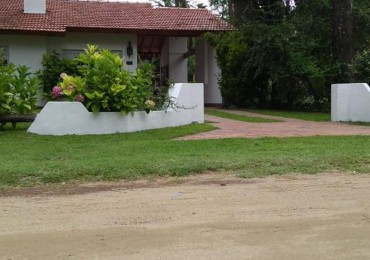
x: 350, y: 102
x: 67, y: 118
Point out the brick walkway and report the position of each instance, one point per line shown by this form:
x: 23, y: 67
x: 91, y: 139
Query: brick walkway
x: 228, y: 128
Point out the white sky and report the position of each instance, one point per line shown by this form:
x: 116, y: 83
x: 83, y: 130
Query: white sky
x: 205, y: 2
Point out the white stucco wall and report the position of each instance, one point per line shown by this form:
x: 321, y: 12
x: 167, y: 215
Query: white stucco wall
x: 172, y: 57
x: 65, y: 118
x: 28, y: 50
x: 207, y: 72
x: 213, y: 93
x: 350, y: 102
x: 178, y: 65
x: 25, y: 50
x: 78, y: 41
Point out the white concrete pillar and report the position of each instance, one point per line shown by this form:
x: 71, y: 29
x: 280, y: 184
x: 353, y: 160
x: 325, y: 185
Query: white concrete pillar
x: 177, y: 64
x: 207, y: 72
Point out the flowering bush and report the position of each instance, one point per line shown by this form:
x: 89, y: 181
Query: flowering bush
x: 53, y: 64
x: 105, y: 86
x: 70, y: 87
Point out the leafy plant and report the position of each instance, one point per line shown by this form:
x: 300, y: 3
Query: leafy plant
x: 53, y: 66
x: 6, y: 95
x: 2, y: 59
x: 103, y: 85
x: 18, y: 89
x: 71, y: 87
x: 360, y: 69
x: 108, y: 86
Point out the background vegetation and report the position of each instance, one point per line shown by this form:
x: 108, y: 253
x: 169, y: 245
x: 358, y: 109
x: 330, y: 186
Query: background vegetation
x: 286, y: 54
x: 18, y: 89
x: 98, y: 79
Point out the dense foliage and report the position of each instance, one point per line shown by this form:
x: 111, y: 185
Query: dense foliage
x: 103, y: 84
x: 361, y: 66
x: 18, y: 90
x: 53, y: 66
x: 281, y: 56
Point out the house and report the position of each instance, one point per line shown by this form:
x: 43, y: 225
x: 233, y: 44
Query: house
x: 31, y: 28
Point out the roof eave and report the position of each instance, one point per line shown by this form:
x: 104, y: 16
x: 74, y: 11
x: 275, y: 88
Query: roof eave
x: 31, y: 32
x: 162, y: 32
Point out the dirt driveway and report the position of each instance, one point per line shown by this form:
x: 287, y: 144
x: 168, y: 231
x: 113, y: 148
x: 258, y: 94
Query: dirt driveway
x: 204, y: 217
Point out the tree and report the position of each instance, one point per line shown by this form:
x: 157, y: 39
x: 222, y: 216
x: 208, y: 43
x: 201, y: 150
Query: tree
x: 221, y: 7
x: 172, y: 3
x: 342, y: 31
x: 279, y: 56
x: 286, y: 54
x: 361, y: 24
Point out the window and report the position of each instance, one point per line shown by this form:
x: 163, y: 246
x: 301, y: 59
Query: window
x: 71, y: 54
x: 4, y: 53
x: 119, y: 52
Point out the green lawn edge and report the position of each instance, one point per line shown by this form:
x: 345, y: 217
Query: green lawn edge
x: 243, y: 118
x: 308, y: 116
x: 29, y: 160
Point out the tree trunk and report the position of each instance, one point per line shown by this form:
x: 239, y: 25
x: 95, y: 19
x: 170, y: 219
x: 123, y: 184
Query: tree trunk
x: 287, y: 7
x: 181, y: 3
x: 342, y: 31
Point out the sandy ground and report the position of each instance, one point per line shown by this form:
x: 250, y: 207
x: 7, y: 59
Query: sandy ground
x: 201, y: 217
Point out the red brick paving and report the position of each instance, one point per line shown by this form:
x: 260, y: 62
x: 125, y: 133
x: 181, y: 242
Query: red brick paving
x: 228, y: 128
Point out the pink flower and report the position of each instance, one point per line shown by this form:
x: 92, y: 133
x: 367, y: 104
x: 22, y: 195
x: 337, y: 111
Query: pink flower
x: 80, y: 98
x: 56, y: 92
x: 70, y: 87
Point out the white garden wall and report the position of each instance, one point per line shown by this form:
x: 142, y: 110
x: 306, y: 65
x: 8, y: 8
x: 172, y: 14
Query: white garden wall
x: 350, y: 102
x: 68, y: 118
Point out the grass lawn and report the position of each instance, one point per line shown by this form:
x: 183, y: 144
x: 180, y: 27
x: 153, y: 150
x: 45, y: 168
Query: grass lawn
x: 313, y: 116
x: 239, y: 117
x: 28, y: 159
x: 359, y: 123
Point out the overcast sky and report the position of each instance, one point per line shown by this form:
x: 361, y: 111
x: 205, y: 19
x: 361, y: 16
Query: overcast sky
x: 205, y: 2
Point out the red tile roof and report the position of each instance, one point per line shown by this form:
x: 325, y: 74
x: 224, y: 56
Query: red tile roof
x: 90, y: 16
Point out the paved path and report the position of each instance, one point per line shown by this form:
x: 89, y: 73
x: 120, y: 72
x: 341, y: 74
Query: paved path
x: 228, y: 128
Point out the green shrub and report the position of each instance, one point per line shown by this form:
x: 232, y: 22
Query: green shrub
x: 18, y: 89
x: 109, y: 87
x: 53, y: 66
x: 71, y: 87
x: 360, y: 69
x: 104, y: 86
